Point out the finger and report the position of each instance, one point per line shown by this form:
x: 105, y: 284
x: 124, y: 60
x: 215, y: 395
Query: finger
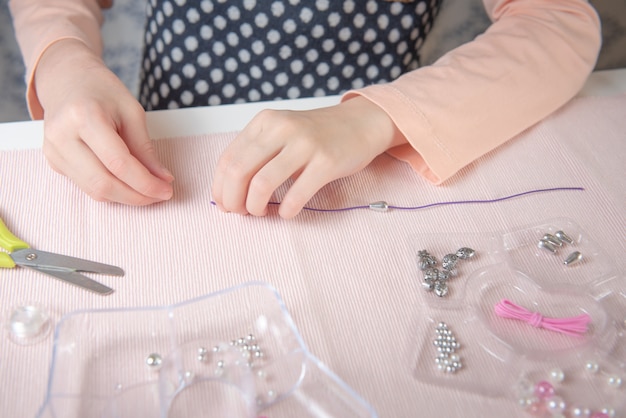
x: 134, y: 130
x: 309, y: 182
x: 90, y: 175
x: 268, y: 178
x: 235, y: 172
x: 229, y: 157
x: 115, y: 155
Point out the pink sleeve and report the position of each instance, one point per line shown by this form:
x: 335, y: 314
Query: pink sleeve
x: 40, y: 23
x: 535, y: 56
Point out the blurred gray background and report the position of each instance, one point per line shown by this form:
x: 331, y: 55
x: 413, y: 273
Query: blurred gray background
x: 459, y: 21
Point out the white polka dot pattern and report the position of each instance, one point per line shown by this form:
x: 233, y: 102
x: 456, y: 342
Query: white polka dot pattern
x: 210, y: 52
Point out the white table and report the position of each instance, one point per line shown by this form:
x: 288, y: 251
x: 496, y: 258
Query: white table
x: 228, y: 118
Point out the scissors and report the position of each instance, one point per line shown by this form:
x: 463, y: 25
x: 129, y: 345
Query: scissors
x: 60, y: 266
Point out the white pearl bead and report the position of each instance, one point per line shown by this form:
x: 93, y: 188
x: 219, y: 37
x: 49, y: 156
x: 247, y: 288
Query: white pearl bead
x: 557, y: 375
x: 556, y: 405
x: 609, y: 411
x: 524, y: 388
x: 592, y: 367
x: 615, y: 381
x: 527, y: 401
x: 579, y: 412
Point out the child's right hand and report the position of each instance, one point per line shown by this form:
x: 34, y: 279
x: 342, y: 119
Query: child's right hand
x: 95, y: 130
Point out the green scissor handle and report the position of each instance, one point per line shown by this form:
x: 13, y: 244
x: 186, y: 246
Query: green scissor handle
x: 11, y: 243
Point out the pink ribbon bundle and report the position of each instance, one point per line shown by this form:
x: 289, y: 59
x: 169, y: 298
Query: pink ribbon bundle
x: 574, y: 326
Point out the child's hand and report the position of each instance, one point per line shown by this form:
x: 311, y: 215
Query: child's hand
x: 95, y: 130
x: 313, y: 147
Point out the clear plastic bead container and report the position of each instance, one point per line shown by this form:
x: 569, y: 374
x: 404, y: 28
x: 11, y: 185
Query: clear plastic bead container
x: 235, y: 353
x: 503, y: 357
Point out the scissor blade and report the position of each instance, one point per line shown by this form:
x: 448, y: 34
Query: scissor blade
x: 29, y: 257
x: 76, y: 279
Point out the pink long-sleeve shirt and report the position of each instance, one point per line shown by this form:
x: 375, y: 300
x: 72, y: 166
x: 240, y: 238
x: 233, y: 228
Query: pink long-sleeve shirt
x: 534, y: 57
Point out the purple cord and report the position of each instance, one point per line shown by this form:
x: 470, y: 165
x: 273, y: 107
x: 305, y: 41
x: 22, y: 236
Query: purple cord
x: 430, y: 205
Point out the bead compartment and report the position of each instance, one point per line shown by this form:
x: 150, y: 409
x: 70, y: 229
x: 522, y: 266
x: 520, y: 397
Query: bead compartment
x: 521, y: 251
x: 517, y: 269
x: 99, y: 362
x: 486, y: 248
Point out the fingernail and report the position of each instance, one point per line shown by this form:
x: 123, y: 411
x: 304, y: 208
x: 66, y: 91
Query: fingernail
x: 166, y: 194
x: 167, y: 174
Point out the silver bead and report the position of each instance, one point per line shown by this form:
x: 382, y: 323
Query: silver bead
x: 563, y: 237
x: 441, y: 289
x: 202, y: 354
x: 427, y: 261
x: 154, y: 360
x: 573, y: 258
x: 428, y: 286
x: 443, y: 275
x: 424, y: 264
x: 380, y: 206
x: 547, y: 245
x: 431, y: 274
x: 448, y: 262
x: 465, y: 252
x: 552, y: 240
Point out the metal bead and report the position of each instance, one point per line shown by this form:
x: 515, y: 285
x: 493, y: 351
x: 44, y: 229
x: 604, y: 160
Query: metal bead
x: 465, y: 252
x: 154, y: 360
x: 563, y: 237
x: 448, y: 262
x: 202, y: 354
x: 423, y: 264
x: 553, y: 240
x: 441, y: 289
x: 428, y: 286
x: 431, y: 274
x: 443, y: 275
x: 426, y: 262
x: 380, y: 206
x: 573, y: 258
x: 547, y: 245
